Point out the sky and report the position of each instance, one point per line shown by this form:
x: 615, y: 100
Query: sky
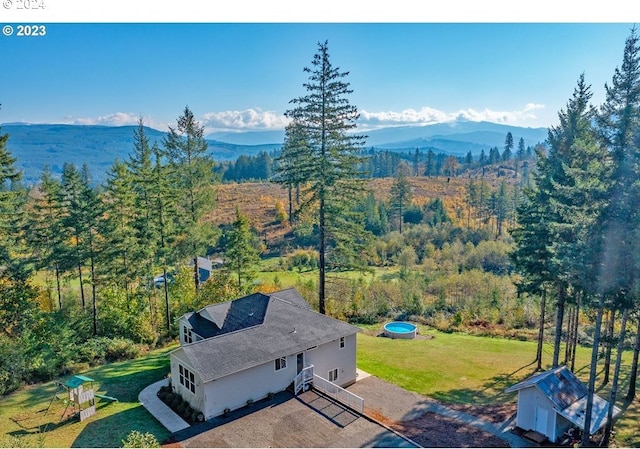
x: 241, y: 76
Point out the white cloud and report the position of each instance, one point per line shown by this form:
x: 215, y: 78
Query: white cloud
x: 116, y: 119
x: 427, y: 116
x: 247, y: 120
x: 255, y: 119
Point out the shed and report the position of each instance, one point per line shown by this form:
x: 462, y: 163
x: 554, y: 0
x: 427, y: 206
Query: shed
x: 552, y: 402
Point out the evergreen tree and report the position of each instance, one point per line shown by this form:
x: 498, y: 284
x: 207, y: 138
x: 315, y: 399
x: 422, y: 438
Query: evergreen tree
x: 45, y: 236
x: 295, y: 155
x: 508, y: 147
x: 400, y: 197
x: 430, y: 165
x: 120, y: 264
x: 333, y: 181
x: 242, y: 253
x: 616, y: 241
x: 194, y: 180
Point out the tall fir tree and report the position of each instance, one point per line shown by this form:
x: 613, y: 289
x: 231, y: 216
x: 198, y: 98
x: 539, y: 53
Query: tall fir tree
x: 242, y: 254
x: 333, y: 182
x: 194, y: 178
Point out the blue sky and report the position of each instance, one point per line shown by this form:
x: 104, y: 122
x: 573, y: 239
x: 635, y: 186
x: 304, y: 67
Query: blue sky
x: 241, y: 76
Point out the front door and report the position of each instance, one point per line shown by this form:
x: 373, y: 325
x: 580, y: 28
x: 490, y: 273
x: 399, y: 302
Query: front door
x: 299, y: 362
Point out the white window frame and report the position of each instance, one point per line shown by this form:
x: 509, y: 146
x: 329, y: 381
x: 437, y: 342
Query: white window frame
x: 188, y: 334
x: 342, y: 343
x: 333, y: 374
x: 280, y: 363
x: 187, y: 378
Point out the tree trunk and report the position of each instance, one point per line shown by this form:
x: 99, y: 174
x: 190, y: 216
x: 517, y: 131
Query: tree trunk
x: 576, y: 322
x: 608, y: 346
x: 166, y: 297
x: 322, y: 248
x: 543, y: 306
x: 81, y: 286
x: 290, y: 195
x: 616, y: 377
x: 592, y: 374
x: 58, y: 286
x: 568, y: 346
x: 196, y: 274
x: 559, y: 320
x: 633, y: 376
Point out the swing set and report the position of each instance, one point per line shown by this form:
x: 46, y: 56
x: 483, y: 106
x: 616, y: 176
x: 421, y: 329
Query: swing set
x: 81, y: 397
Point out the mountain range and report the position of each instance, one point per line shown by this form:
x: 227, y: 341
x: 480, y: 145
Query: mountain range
x: 37, y: 145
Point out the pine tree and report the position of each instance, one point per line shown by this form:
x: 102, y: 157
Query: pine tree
x: 45, y: 235
x: 508, y: 147
x: 400, y: 197
x: 333, y: 181
x: 295, y: 154
x: 193, y: 167
x: 242, y: 253
x: 618, y: 122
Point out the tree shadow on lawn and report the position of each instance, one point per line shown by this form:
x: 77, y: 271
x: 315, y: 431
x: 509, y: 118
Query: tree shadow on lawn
x: 491, y: 392
x: 111, y: 430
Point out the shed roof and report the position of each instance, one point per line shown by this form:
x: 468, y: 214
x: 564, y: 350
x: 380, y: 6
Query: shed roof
x: 568, y: 396
x: 286, y: 327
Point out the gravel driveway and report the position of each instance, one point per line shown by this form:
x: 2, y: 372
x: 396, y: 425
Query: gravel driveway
x: 308, y: 420
x: 312, y: 420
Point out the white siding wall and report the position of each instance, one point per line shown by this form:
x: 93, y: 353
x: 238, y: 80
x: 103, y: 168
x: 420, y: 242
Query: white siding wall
x: 256, y: 383
x: 196, y: 400
x: 330, y: 356
x: 528, y: 400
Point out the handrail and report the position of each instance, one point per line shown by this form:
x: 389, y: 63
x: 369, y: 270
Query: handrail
x: 337, y: 392
x: 304, y: 378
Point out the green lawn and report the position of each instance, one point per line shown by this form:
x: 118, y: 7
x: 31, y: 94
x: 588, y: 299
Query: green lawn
x: 24, y: 419
x: 465, y: 369
x: 453, y: 368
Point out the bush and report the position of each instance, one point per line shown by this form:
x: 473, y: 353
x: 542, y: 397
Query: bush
x: 139, y: 439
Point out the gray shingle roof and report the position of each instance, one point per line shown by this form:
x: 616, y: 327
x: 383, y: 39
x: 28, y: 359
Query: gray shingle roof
x: 560, y: 385
x: 287, y: 327
x: 569, y: 396
x: 229, y: 316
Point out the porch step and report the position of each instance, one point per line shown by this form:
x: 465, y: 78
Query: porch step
x: 534, y: 436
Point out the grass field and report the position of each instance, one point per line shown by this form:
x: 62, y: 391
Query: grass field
x: 24, y: 419
x: 465, y: 369
x: 453, y: 368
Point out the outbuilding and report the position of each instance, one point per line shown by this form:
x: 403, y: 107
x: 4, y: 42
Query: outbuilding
x: 552, y: 402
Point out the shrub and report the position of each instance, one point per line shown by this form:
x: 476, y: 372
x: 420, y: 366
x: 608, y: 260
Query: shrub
x: 139, y: 439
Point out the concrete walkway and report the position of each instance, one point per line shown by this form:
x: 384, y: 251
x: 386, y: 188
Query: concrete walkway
x: 161, y: 411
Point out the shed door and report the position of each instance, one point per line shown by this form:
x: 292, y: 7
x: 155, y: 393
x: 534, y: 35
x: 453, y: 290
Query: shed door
x: 541, y: 420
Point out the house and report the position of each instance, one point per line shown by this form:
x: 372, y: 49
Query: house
x: 205, y: 266
x: 240, y: 351
x: 553, y: 401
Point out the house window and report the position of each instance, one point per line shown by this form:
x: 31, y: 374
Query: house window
x: 188, y: 334
x: 187, y: 379
x: 341, y: 342
x: 333, y: 375
x: 281, y: 363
